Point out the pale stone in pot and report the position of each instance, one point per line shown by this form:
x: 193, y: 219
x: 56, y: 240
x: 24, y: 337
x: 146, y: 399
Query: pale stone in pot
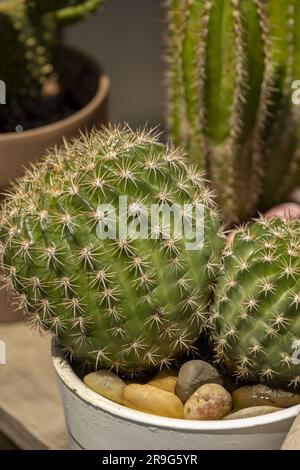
x: 152, y: 400
x: 192, y: 375
x: 209, y: 402
x: 106, y: 383
x: 165, y: 379
x: 252, y: 411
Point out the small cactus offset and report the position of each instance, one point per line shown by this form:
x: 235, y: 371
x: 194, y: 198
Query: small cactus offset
x: 123, y: 302
x: 230, y: 73
x: 29, y: 31
x: 256, y: 315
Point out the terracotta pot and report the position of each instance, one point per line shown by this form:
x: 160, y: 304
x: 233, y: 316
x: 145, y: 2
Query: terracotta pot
x: 18, y: 149
x: 94, y: 422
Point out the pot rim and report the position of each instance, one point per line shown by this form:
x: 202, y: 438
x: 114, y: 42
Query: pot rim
x: 99, y: 96
x: 76, y: 386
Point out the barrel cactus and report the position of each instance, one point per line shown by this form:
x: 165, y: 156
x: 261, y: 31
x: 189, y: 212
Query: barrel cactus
x: 29, y: 31
x: 231, y: 66
x: 113, y: 298
x: 256, y: 315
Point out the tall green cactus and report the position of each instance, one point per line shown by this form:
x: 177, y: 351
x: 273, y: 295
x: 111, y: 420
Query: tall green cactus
x: 29, y: 32
x: 231, y: 66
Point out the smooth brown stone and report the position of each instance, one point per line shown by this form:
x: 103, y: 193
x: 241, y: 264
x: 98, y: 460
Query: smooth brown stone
x: 192, y: 375
x: 262, y: 395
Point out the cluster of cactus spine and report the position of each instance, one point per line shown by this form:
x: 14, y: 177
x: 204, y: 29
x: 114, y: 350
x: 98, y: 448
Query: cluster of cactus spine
x: 255, y: 320
x: 29, y: 31
x: 231, y: 68
x: 130, y: 304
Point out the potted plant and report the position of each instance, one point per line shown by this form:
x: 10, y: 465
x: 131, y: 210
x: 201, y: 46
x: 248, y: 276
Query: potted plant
x: 48, y: 92
x: 114, y: 245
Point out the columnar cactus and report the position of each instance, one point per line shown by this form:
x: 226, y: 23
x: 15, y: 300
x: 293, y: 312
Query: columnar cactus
x: 126, y: 301
x: 231, y: 68
x: 256, y: 315
x: 29, y: 31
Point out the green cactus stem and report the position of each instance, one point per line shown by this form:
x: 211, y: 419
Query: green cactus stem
x: 231, y: 67
x: 127, y: 303
x: 256, y: 314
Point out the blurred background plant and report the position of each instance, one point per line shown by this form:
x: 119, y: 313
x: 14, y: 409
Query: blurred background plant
x: 30, y: 42
x: 231, y: 65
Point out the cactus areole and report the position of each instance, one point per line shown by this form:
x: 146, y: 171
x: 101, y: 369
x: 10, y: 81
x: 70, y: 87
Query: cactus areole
x: 232, y: 67
x: 127, y: 302
x: 256, y: 316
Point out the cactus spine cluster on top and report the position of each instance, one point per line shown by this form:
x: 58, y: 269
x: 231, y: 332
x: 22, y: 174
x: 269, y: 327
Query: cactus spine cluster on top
x: 255, y: 319
x: 231, y: 68
x: 128, y: 302
x: 29, y: 31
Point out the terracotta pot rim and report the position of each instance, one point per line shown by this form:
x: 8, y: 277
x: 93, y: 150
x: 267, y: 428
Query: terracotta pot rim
x: 77, y: 116
x: 76, y: 386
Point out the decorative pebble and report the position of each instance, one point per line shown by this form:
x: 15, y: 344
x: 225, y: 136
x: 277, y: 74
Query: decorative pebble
x: 260, y: 395
x: 288, y: 210
x: 152, y: 400
x: 252, y: 411
x: 192, y: 375
x: 210, y: 401
x: 106, y: 383
x: 165, y: 379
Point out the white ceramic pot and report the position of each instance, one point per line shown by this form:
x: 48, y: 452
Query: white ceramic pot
x: 93, y: 422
